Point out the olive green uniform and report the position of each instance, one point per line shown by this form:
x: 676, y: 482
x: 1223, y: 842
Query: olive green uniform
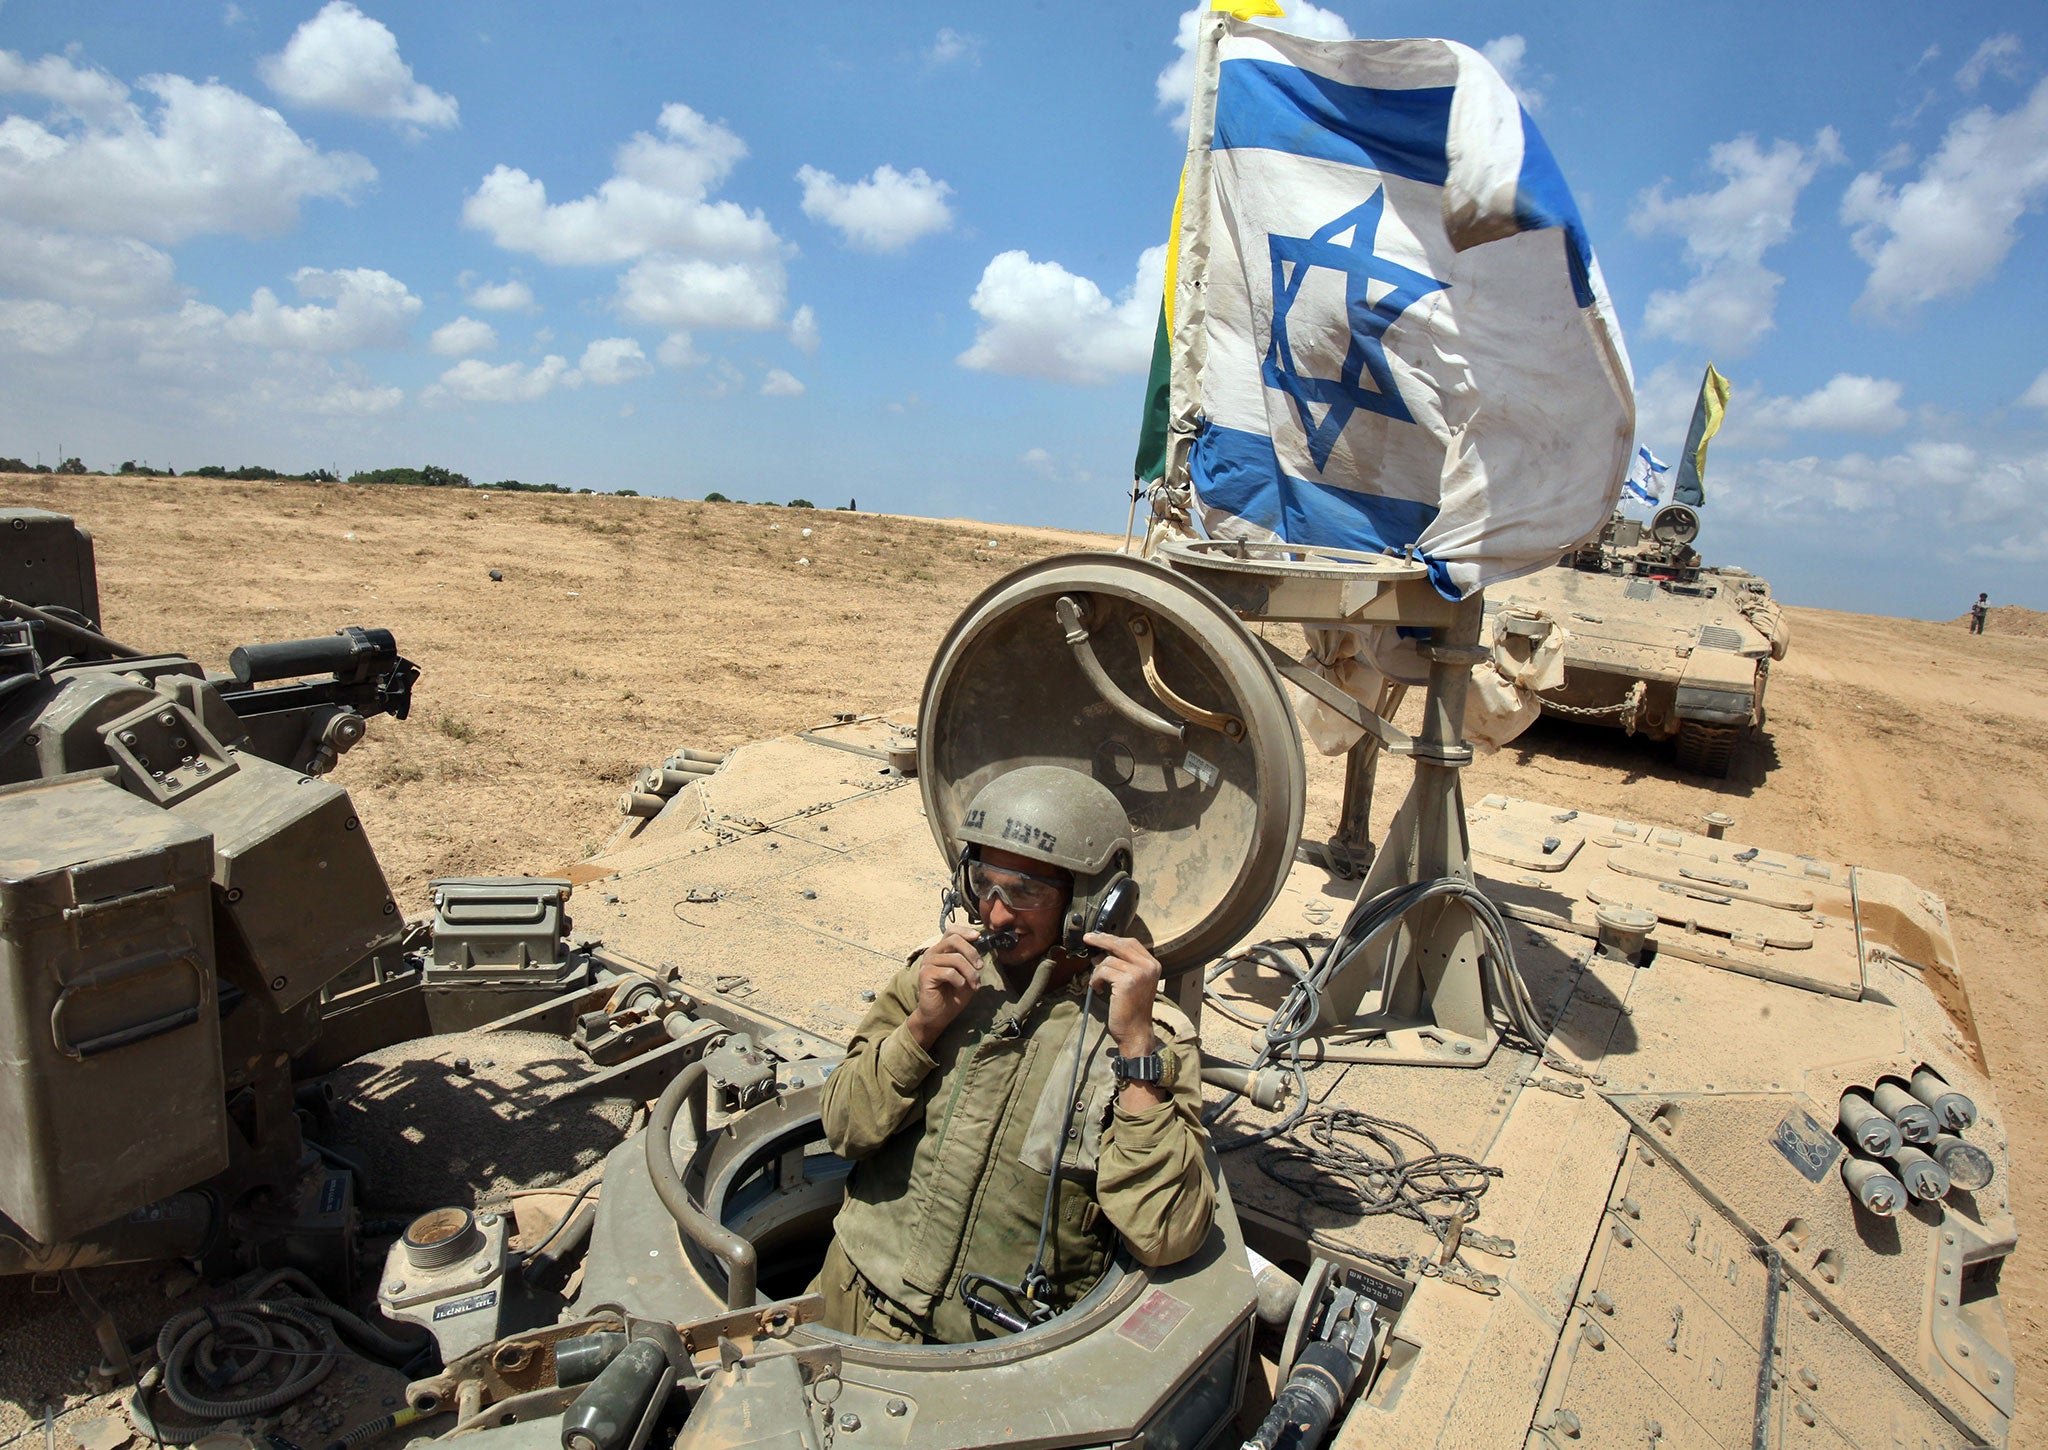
x: 953, y: 1149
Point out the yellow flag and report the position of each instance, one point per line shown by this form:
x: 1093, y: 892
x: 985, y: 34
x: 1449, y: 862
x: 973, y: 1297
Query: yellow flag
x: 1714, y: 402
x: 1690, y: 487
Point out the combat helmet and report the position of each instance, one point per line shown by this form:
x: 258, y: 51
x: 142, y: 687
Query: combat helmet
x: 1059, y: 816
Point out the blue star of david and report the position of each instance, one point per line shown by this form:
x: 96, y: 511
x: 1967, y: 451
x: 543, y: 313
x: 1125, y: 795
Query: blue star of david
x: 1343, y: 395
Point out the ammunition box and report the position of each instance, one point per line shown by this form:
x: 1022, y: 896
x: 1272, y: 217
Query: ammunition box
x: 110, y: 1091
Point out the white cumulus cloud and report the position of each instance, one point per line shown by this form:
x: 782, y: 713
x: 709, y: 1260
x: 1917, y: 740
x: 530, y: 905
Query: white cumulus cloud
x: 779, y: 384
x: 1509, y: 55
x: 1040, y: 320
x: 1950, y: 227
x: 1933, y: 499
x: 205, y: 159
x: 82, y: 90
x: 657, y: 199
x: 670, y: 291
x: 2036, y: 395
x: 953, y: 47
x: 369, y: 309
x: 803, y: 330
x: 345, y: 399
x: 342, y: 60
x: 1175, y: 85
x: 192, y: 368
x: 610, y: 361
x: 513, y: 296
x: 1728, y: 306
x: 108, y: 273
x: 1999, y: 53
x: 678, y: 351
x: 42, y: 328
x: 1053, y: 469
x: 1846, y: 403
x: 462, y: 337
x: 474, y: 381
x: 883, y: 212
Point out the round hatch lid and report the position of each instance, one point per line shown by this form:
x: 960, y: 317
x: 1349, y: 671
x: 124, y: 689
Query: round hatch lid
x: 1139, y: 677
x: 1675, y: 523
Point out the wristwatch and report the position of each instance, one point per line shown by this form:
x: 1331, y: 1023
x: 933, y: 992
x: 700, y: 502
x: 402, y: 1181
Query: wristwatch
x: 1154, y: 1068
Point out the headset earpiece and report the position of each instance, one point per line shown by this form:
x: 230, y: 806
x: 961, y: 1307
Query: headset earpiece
x: 1109, y: 908
x: 962, y: 892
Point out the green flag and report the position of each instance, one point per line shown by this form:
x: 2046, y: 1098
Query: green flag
x: 1706, y: 422
x: 1151, y: 464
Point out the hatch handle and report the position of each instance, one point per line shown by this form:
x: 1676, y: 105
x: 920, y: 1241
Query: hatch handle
x: 1073, y: 616
x: 1227, y: 725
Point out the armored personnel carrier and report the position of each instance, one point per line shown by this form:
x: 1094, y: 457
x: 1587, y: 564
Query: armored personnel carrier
x: 1555, y: 1129
x: 1661, y: 644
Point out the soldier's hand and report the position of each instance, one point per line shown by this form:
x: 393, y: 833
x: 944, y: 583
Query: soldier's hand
x: 1131, y: 973
x: 947, y: 978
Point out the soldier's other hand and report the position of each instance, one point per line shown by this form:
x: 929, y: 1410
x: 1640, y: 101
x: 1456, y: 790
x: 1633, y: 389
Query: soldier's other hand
x: 1131, y: 973
x: 947, y: 978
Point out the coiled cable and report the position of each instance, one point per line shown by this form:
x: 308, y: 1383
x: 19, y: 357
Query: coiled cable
x: 1371, y: 919
x: 1281, y: 1034
x: 218, y: 1347
x: 1357, y: 1165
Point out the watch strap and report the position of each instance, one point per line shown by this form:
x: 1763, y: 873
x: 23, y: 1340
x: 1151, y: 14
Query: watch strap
x: 1150, y: 1068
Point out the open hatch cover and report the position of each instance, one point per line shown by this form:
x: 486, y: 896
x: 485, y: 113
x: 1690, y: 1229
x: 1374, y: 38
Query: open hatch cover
x: 1141, y: 678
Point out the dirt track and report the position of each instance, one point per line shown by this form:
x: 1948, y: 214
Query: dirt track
x: 627, y: 627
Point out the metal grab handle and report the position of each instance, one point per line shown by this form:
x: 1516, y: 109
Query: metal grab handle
x: 1229, y: 726
x: 141, y: 1031
x: 1073, y: 617
x: 741, y: 1262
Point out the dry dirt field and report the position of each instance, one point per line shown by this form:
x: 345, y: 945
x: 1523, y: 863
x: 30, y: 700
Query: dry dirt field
x: 625, y: 628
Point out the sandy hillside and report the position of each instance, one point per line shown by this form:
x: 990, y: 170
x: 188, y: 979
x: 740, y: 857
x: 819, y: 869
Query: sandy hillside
x: 627, y: 627
x: 2009, y: 619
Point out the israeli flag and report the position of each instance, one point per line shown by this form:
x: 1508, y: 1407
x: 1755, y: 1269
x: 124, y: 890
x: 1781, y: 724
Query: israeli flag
x: 1644, y: 479
x: 1400, y: 340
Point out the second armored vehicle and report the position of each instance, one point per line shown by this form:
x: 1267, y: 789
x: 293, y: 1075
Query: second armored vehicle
x: 1660, y: 644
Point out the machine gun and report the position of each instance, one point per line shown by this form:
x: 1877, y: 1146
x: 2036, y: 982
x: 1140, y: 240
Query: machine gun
x: 319, y: 720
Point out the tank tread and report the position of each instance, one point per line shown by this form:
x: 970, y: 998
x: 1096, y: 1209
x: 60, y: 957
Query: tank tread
x: 1707, y: 749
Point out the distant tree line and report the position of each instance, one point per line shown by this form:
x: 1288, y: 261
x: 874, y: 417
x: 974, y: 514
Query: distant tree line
x: 431, y: 476
x: 796, y: 503
x: 248, y: 473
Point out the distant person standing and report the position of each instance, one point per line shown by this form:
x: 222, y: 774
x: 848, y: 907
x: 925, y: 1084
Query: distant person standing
x: 1977, y: 612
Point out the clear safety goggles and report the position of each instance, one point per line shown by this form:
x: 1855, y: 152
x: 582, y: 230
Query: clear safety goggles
x: 1018, y: 890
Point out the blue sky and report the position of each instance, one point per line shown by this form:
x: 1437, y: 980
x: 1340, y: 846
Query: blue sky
x: 900, y: 253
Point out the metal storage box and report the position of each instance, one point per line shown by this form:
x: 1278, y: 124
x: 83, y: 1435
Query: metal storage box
x: 302, y: 895
x: 110, y: 1095
x: 497, y: 948
x: 49, y: 561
